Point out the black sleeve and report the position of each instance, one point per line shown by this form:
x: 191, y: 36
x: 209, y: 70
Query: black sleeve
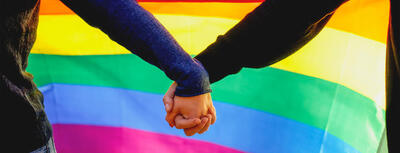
x: 271, y: 32
x: 393, y: 78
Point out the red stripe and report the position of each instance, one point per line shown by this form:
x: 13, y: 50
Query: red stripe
x: 223, y: 1
x: 100, y: 139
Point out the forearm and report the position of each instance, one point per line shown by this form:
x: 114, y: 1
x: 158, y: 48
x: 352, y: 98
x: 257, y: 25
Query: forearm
x: 125, y: 22
x: 273, y: 31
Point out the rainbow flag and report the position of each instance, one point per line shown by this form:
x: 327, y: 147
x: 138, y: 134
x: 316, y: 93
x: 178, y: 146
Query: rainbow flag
x: 329, y: 97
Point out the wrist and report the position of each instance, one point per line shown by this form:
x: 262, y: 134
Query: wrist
x: 195, y: 82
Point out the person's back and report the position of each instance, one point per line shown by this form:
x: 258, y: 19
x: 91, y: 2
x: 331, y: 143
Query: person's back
x: 124, y: 21
x: 24, y: 123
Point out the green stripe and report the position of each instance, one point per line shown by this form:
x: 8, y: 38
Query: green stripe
x: 339, y: 110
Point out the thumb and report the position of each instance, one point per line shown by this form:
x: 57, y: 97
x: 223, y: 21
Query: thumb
x: 168, y: 98
x: 170, y: 117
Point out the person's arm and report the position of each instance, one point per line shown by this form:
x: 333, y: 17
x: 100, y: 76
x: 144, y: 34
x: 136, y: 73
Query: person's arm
x: 273, y: 31
x: 127, y: 23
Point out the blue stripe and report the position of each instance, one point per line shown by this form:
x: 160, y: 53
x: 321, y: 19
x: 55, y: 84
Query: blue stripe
x: 237, y: 127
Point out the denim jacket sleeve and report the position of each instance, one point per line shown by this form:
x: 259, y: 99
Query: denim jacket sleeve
x: 127, y: 23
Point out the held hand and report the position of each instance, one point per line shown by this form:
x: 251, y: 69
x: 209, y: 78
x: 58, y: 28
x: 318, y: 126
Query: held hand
x: 185, y: 112
x: 193, y: 126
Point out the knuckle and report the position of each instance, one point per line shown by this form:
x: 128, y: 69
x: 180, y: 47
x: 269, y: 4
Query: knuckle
x: 189, y: 132
x: 165, y: 99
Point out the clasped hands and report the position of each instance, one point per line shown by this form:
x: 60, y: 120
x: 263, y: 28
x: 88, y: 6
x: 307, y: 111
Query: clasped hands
x: 193, y: 114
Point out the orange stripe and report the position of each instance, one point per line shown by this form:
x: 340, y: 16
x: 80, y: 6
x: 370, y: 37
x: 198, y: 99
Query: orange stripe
x: 53, y: 7
x: 224, y: 10
x: 367, y: 18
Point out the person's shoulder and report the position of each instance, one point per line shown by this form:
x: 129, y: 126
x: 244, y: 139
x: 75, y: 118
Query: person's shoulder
x: 15, y: 6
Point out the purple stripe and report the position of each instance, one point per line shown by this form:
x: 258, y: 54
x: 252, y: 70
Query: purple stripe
x: 100, y: 139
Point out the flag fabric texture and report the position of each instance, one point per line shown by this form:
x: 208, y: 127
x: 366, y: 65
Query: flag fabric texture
x: 329, y: 97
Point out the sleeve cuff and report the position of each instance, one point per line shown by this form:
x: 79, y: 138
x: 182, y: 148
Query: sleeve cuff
x: 197, y: 83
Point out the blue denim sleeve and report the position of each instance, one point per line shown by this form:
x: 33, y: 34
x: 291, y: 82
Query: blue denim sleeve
x: 127, y: 23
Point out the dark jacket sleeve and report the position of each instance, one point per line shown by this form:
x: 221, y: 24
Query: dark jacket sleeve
x: 393, y: 77
x: 127, y: 23
x: 271, y: 32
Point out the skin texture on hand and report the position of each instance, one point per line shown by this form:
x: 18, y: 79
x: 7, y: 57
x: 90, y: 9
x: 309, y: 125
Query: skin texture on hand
x: 193, y: 114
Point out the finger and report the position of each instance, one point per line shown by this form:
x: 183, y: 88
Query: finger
x: 212, y: 110
x: 170, y: 117
x: 168, y: 103
x: 205, y: 128
x: 213, y: 114
x: 168, y: 98
x: 182, y: 123
x: 194, y: 130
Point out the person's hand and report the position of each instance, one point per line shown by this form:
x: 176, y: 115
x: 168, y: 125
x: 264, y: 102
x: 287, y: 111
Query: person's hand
x: 185, y: 112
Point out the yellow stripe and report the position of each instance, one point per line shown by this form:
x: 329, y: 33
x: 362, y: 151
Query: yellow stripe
x: 350, y: 17
x: 70, y: 35
x: 333, y: 55
x: 344, y: 58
